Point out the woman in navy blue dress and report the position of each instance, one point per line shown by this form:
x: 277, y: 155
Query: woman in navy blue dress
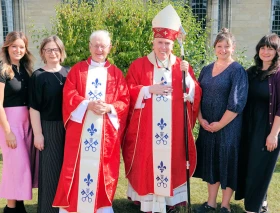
x: 224, y: 86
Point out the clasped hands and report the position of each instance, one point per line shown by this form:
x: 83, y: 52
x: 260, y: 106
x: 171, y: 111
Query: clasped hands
x: 99, y: 107
x: 212, y: 127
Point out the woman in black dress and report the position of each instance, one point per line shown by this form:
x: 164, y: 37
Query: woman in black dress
x: 46, y: 119
x: 261, y: 126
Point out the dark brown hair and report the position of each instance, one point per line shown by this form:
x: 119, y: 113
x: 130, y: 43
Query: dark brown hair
x: 224, y: 34
x: 273, y: 41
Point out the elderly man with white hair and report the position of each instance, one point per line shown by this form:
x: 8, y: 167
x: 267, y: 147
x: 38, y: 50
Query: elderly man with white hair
x: 95, y: 106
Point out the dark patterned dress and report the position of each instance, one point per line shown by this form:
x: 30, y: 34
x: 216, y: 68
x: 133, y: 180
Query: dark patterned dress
x: 217, y: 152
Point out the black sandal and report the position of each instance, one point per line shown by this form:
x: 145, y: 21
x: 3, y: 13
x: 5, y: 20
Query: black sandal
x: 205, y: 208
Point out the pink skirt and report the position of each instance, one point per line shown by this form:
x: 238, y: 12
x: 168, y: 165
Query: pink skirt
x: 16, y: 183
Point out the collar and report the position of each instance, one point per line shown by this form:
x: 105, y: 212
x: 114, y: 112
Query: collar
x: 105, y: 64
x: 152, y: 59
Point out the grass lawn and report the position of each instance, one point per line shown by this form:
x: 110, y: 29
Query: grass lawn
x: 198, y: 196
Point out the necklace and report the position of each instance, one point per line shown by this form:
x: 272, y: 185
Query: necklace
x: 60, y: 82
x: 163, y: 63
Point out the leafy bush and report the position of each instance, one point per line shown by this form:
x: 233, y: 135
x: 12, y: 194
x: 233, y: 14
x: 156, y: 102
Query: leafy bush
x: 130, y: 24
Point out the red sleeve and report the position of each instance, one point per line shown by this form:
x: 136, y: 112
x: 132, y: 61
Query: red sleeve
x: 71, y: 96
x: 194, y: 107
x: 121, y: 102
x: 133, y: 82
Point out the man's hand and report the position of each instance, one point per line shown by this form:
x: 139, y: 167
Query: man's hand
x: 160, y: 89
x: 99, y: 107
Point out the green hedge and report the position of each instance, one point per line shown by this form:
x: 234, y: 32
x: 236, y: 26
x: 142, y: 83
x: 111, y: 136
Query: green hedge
x: 130, y: 24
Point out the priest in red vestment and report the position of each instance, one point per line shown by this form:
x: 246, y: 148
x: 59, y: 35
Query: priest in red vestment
x: 154, y: 144
x: 95, y: 107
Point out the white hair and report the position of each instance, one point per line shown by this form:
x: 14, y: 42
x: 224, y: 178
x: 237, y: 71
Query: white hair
x: 100, y: 33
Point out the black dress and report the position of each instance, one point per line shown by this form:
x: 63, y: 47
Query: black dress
x: 46, y: 97
x: 256, y: 164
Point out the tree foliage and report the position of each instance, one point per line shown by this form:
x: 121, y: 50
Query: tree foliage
x: 130, y: 24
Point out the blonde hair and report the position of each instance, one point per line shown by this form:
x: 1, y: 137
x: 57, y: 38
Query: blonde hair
x: 58, y: 42
x: 26, y: 60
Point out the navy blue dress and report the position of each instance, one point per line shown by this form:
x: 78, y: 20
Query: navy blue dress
x: 217, y: 152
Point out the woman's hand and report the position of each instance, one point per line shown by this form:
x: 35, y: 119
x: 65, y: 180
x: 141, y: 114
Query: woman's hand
x: 216, y: 126
x: 39, y: 141
x: 205, y: 124
x: 11, y: 140
x: 271, y: 142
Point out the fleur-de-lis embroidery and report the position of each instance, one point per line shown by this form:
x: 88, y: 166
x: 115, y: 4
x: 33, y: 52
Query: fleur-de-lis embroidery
x: 162, y: 181
x: 164, y: 81
x: 161, y: 167
x: 92, y: 130
x: 90, y: 144
x: 88, y: 180
x: 87, y: 195
x: 161, y: 124
x: 96, y: 83
x: 161, y: 138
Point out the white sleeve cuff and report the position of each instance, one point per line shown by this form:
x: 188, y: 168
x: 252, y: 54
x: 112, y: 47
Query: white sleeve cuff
x: 78, y: 114
x: 190, y: 84
x: 114, y: 117
x: 143, y: 94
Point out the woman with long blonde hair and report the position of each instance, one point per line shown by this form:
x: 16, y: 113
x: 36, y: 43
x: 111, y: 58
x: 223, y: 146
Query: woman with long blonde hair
x: 15, y: 129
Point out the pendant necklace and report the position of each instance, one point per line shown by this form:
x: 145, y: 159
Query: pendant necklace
x: 60, y: 82
x: 163, y: 63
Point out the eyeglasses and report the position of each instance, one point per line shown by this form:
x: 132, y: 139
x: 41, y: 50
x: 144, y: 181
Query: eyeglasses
x: 49, y: 50
x: 97, y: 47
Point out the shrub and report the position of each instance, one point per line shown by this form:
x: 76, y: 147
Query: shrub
x: 129, y: 22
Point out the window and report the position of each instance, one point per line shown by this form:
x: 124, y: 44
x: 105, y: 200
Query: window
x: 275, y: 26
x: 199, y: 9
x: 7, y: 17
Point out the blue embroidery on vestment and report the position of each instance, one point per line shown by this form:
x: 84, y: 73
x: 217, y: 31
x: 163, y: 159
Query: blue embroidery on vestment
x: 92, y: 130
x: 164, y: 81
x: 95, y: 95
x: 161, y: 98
x: 162, y: 124
x: 90, y: 144
x: 161, y: 138
x: 96, y: 83
x: 162, y: 181
x: 161, y: 167
x: 87, y: 193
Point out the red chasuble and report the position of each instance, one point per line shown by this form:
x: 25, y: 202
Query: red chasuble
x: 137, y: 146
x: 73, y: 94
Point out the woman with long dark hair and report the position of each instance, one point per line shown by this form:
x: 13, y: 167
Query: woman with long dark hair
x: 261, y: 126
x: 15, y: 129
